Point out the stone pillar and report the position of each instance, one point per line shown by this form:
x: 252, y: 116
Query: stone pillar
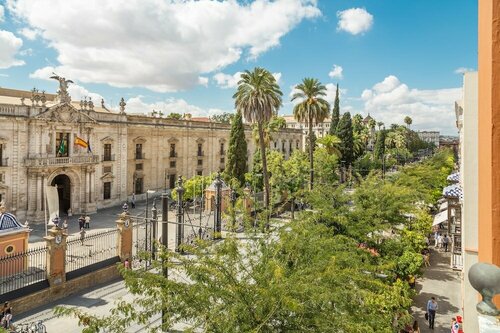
x: 489, y: 133
x: 124, y: 241
x: 56, y: 256
x: 38, y: 188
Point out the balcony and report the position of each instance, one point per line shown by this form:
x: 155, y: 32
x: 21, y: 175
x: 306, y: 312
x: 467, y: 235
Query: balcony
x: 200, y: 153
x: 61, y: 161
x: 222, y: 153
x: 173, y: 154
x: 4, y: 162
x: 106, y: 158
x: 140, y: 156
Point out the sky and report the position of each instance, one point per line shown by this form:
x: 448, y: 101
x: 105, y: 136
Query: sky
x: 391, y: 58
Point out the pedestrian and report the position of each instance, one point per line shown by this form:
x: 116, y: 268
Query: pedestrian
x: 126, y: 264
x: 87, y: 221
x: 132, y: 201
x: 432, y: 306
x: 81, y: 222
x: 440, y: 241
x: 82, y: 235
x: 416, y: 329
x: 65, y: 224
x: 436, y: 234
x: 411, y: 281
x: 6, y: 315
x: 427, y: 259
x: 446, y: 241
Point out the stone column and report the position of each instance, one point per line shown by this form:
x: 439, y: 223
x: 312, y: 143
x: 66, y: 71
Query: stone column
x: 56, y: 256
x: 124, y: 241
x: 489, y: 133
x: 38, y: 187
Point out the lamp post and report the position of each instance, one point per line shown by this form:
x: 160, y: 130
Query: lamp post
x: 179, y: 215
x: 154, y: 212
x: 218, y: 206
x: 147, y: 245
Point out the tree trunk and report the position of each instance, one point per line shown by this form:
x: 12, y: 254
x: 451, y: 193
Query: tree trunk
x: 264, y: 165
x: 311, y: 156
x: 293, y: 208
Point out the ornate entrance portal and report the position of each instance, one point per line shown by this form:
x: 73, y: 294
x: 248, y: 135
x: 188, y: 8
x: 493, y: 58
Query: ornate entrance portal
x: 63, y: 184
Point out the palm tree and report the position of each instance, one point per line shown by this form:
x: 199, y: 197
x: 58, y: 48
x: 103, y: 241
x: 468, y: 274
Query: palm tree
x: 380, y: 124
x: 331, y: 144
x: 408, y: 121
x: 258, y: 97
x: 312, y: 109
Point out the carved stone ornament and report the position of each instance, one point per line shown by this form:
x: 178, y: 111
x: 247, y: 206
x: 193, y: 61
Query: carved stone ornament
x: 485, y: 278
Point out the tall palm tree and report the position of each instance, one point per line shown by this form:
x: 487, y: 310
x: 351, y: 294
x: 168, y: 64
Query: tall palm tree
x: 258, y: 97
x: 380, y: 124
x: 408, y: 121
x: 312, y: 109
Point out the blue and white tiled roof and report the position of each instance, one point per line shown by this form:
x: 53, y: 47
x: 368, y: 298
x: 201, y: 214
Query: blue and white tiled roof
x: 454, y: 177
x: 8, y: 222
x: 453, y: 191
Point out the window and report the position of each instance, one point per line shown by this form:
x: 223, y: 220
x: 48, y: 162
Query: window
x: 107, y: 190
x: 199, y: 173
x: 283, y: 146
x: 107, y: 152
x: 138, y: 166
x: 222, y: 151
x: 275, y: 144
x: 200, y: 151
x: 172, y: 150
x: 139, y: 185
x: 138, y: 151
x: 107, y: 169
x: 9, y: 249
x: 172, y: 164
x: 222, y: 160
x: 171, y: 181
x: 290, y: 148
x: 3, y: 161
x: 62, y: 144
x: 297, y: 145
x: 200, y: 162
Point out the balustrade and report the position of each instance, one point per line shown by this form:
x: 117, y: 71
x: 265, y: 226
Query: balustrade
x: 55, y: 161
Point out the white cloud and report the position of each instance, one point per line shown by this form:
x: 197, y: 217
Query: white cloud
x: 160, y: 45
x: 226, y: 81
x: 2, y: 13
x: 277, y: 77
x: 78, y: 93
x: 202, y: 80
x: 336, y: 72
x: 28, y: 33
x: 331, y: 91
x: 138, y: 105
x: 354, y: 21
x: 463, y: 70
x: 390, y: 101
x: 9, y: 47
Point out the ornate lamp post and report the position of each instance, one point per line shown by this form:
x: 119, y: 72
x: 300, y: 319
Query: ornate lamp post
x: 179, y: 215
x: 218, y: 206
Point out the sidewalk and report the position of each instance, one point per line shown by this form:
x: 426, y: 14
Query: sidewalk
x: 440, y: 281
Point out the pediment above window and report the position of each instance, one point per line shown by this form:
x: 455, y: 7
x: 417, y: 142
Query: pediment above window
x: 107, y: 139
x: 140, y: 139
x: 107, y: 177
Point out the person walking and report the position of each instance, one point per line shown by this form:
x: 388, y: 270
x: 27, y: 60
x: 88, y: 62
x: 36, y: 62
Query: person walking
x: 6, y: 315
x: 440, y: 241
x: 65, y: 225
x: 82, y: 235
x: 446, y: 241
x: 432, y: 306
x: 81, y: 222
x: 436, y: 235
x: 132, y: 201
x: 87, y: 221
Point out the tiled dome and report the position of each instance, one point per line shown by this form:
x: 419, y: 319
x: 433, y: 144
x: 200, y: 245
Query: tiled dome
x: 9, y: 222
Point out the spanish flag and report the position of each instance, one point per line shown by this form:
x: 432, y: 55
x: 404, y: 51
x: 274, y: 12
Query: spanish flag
x: 82, y: 143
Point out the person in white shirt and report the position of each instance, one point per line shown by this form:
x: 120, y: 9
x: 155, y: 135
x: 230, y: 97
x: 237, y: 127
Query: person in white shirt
x: 432, y: 306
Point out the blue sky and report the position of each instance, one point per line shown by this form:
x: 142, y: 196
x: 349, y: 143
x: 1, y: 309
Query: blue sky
x: 397, y: 57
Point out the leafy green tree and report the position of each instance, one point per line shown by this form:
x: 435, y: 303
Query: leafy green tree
x: 194, y: 187
x: 357, y: 123
x: 312, y: 109
x: 224, y: 118
x: 258, y: 97
x: 379, y: 150
x: 175, y: 115
x: 408, y: 121
x: 345, y: 134
x: 335, y: 113
x: 296, y: 169
x: 325, y: 165
x: 331, y: 144
x: 380, y: 124
x: 237, y: 151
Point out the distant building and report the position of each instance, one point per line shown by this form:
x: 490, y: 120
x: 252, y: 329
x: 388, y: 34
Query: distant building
x: 430, y: 137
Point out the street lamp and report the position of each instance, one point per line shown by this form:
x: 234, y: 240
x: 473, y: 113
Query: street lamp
x: 148, y: 192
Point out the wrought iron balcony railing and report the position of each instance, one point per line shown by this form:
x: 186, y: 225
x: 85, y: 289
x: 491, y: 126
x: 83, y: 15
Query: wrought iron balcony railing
x: 106, y: 158
x: 56, y: 161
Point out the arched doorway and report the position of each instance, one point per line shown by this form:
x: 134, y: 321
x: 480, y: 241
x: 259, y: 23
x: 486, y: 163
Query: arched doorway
x: 63, y: 184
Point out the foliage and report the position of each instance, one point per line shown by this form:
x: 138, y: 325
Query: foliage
x: 335, y: 113
x: 312, y: 109
x: 408, y: 121
x: 224, y: 118
x: 325, y: 165
x: 379, y: 150
x: 258, y: 97
x: 175, y: 115
x: 331, y: 144
x: 345, y: 134
x: 194, y: 187
x: 236, y: 165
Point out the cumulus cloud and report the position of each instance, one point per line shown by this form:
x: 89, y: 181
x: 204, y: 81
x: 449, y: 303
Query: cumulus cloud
x: 138, y: 105
x: 9, y: 48
x: 463, y: 70
x: 227, y: 81
x: 336, y: 72
x: 391, y: 100
x: 78, y: 92
x: 162, y: 45
x: 354, y: 21
x: 2, y: 13
x: 28, y: 33
x: 202, y: 80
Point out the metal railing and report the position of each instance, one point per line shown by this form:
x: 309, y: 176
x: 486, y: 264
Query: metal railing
x: 173, y: 154
x: 4, y: 161
x: 105, y: 158
x: 54, y: 161
x: 140, y: 156
x: 90, y: 249
x: 22, y: 269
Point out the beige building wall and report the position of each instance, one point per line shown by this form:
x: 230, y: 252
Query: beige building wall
x: 469, y: 180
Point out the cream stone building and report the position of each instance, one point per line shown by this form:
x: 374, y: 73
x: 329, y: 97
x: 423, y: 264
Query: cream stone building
x: 129, y: 153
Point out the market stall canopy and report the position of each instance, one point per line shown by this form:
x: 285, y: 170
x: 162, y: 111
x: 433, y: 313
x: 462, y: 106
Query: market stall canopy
x: 454, y: 177
x: 453, y: 191
x: 442, y: 217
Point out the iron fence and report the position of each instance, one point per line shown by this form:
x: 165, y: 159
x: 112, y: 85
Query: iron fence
x: 143, y: 241
x: 22, y: 269
x: 91, y: 249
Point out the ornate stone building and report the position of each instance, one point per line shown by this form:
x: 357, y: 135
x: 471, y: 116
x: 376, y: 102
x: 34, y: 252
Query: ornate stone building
x: 127, y: 153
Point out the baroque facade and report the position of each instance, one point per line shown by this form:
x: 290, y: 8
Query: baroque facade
x: 128, y: 153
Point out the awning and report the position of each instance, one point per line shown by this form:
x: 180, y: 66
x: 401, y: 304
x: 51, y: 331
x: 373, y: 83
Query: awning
x: 453, y: 191
x: 444, y: 206
x: 442, y: 217
x: 454, y: 177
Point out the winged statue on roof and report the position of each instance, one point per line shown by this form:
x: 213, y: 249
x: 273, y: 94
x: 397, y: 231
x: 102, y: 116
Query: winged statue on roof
x: 63, y: 83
